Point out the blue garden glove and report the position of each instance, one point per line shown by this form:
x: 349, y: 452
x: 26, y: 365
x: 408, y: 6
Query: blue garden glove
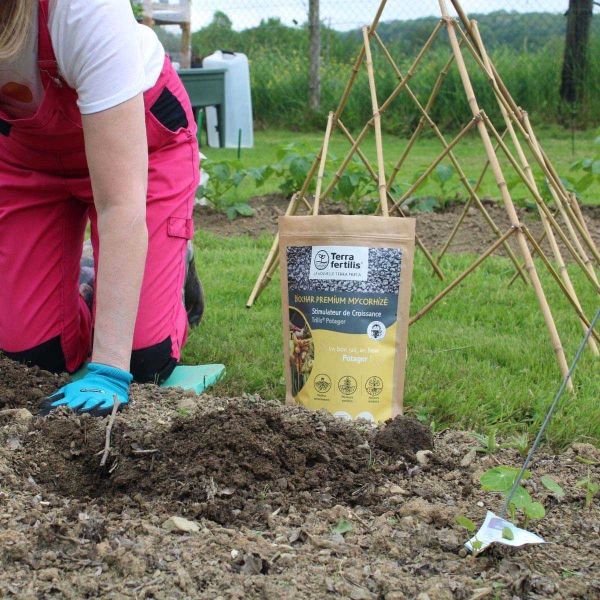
x: 92, y: 393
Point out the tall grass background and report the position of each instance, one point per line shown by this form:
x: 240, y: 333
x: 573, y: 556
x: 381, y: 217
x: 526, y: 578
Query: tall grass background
x: 280, y: 81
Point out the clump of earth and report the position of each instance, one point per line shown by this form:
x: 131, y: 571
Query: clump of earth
x: 205, y: 497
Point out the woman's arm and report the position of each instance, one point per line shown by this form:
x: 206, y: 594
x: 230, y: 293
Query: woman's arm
x: 117, y: 156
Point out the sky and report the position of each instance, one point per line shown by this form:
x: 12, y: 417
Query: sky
x: 348, y: 14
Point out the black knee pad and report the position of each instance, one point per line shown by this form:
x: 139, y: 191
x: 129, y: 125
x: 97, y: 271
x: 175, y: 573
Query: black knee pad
x: 48, y: 356
x: 153, y: 364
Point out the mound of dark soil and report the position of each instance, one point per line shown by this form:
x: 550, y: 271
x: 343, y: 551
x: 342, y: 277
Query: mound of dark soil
x: 232, y: 463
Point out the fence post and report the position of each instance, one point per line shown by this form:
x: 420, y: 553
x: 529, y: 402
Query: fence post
x: 314, y: 81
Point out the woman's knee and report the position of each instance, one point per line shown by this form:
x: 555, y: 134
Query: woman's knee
x: 48, y: 355
x: 153, y: 364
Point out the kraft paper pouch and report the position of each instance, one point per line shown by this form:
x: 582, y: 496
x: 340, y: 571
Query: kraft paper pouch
x: 346, y: 283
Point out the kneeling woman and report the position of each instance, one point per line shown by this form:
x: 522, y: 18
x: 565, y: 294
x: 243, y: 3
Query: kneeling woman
x: 95, y: 126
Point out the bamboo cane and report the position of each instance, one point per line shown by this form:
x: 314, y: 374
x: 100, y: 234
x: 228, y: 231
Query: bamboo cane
x: 566, y: 211
x: 271, y: 259
x: 574, y: 203
x: 533, y: 253
x: 502, y: 239
x: 521, y: 120
x: 421, y: 124
x: 322, y: 164
x: 341, y: 105
x: 463, y: 178
x: 540, y: 202
x: 367, y: 164
x: 512, y: 213
x: 465, y: 211
x: 439, y: 158
x: 382, y: 109
x: 381, y: 184
x: 568, y: 284
x: 559, y: 281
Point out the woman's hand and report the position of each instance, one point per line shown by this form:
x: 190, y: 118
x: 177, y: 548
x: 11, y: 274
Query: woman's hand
x: 117, y: 156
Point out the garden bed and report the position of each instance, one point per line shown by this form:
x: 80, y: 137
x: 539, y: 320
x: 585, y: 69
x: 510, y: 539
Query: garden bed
x: 287, y: 503
x: 434, y: 228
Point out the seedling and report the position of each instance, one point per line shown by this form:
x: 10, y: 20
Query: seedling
x: 466, y: 523
x: 591, y: 489
x: 489, y: 443
x: 553, y: 487
x: 471, y: 529
x: 520, y: 443
x: 502, y: 479
x: 342, y: 527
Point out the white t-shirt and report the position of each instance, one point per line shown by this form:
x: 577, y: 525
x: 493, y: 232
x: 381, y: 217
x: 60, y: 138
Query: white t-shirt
x: 102, y: 53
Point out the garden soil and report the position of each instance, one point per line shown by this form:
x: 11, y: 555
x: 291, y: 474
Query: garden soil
x: 278, y: 502
x: 434, y: 228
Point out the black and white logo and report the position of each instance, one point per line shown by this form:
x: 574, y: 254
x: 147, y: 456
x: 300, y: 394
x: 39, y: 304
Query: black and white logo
x: 376, y: 330
x: 321, y: 260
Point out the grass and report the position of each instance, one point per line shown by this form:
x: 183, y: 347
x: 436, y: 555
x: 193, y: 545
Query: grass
x: 481, y: 359
x: 556, y: 141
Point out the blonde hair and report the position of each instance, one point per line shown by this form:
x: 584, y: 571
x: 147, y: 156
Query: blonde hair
x: 16, y: 20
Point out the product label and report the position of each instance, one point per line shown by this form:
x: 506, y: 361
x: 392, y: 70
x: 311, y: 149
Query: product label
x: 343, y: 303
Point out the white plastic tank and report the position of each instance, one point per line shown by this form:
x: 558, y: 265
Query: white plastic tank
x: 238, y: 101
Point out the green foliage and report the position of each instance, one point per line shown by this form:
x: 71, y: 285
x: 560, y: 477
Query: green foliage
x: 357, y: 189
x: 222, y: 190
x: 552, y: 486
x: 507, y: 533
x: 489, y: 443
x: 292, y: 168
x: 587, y: 169
x: 502, y: 479
x: 591, y: 488
x: 520, y: 442
x: 138, y: 9
x: 342, y: 527
x: 466, y: 523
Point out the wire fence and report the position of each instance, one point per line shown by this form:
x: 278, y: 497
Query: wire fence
x: 343, y: 15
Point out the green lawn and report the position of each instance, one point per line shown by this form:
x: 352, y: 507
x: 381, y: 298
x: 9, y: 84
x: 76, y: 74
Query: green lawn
x: 481, y: 359
x: 556, y: 142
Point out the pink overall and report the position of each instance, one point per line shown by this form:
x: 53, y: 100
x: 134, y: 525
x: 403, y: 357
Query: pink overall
x: 46, y: 201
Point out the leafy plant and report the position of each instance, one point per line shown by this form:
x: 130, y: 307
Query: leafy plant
x: 138, y: 9
x: 588, y: 168
x: 591, y: 489
x: 520, y: 442
x: 489, y: 443
x: 471, y: 528
x: 293, y: 166
x: 442, y: 176
x: 357, y: 189
x: 552, y: 486
x: 222, y: 190
x: 466, y: 523
x: 501, y: 479
x: 342, y: 527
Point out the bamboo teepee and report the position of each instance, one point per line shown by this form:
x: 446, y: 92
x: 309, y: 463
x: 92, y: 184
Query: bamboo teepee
x: 565, y: 224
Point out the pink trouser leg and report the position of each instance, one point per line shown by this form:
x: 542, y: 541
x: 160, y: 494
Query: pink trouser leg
x: 41, y: 232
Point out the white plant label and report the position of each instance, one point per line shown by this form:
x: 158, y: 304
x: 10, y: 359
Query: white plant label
x: 491, y: 532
